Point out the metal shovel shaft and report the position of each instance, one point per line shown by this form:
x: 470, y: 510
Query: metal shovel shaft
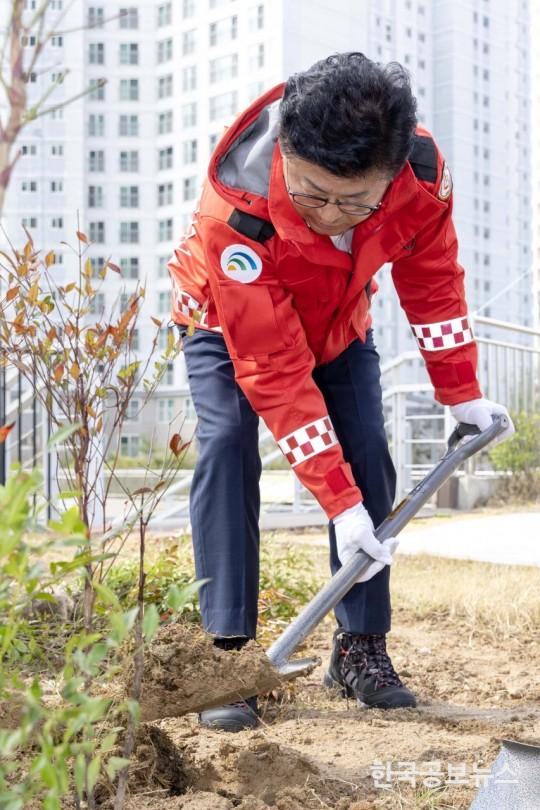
x: 344, y: 579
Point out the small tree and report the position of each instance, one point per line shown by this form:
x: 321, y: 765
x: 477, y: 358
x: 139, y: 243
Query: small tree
x: 85, y: 371
x: 26, y: 39
x: 85, y: 374
x: 520, y: 456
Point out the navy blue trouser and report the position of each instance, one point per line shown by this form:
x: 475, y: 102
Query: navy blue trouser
x: 225, y: 499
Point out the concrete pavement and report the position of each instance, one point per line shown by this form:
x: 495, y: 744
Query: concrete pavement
x: 506, y: 537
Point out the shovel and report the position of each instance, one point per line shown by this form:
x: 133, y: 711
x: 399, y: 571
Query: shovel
x: 514, y: 779
x: 340, y: 584
x: 244, y: 676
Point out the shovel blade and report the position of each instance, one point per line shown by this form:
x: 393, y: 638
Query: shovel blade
x: 514, y: 779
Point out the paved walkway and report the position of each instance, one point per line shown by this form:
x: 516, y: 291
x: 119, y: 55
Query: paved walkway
x: 512, y: 537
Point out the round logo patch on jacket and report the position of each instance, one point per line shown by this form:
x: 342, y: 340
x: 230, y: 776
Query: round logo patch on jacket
x: 241, y: 263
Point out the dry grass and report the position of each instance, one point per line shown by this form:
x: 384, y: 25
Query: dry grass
x: 486, y: 597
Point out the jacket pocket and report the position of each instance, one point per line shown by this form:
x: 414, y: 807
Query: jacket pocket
x: 255, y: 322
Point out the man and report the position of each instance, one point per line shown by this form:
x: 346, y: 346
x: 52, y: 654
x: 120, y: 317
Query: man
x: 310, y: 191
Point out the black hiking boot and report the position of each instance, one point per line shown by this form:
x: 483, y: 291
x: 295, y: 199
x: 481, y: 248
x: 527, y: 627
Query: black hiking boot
x: 237, y: 716
x: 362, y: 669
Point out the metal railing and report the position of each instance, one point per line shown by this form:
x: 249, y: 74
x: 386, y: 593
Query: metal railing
x: 417, y: 426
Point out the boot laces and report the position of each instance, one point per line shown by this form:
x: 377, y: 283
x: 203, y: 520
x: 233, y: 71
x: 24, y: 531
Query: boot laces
x: 368, y: 653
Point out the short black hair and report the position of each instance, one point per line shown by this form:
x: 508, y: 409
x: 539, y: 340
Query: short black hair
x: 348, y: 115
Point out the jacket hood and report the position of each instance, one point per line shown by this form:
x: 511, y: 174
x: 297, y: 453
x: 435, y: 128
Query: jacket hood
x: 240, y: 166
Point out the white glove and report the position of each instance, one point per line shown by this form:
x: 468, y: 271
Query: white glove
x: 478, y: 412
x: 354, y: 532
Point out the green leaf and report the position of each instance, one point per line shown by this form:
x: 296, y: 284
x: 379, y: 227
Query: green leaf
x: 178, y: 597
x: 150, y: 621
x: 66, y: 494
x: 64, y: 433
x: 115, y: 764
x: 121, y: 623
x: 80, y: 774
x: 70, y: 523
x: 134, y: 709
x: 108, y: 742
x: 93, y: 773
x: 106, y: 595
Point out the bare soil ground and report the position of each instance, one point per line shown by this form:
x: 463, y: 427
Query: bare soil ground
x: 465, y: 638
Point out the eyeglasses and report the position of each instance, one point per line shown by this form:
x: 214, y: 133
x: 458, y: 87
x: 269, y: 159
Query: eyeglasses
x: 307, y: 201
x: 311, y: 201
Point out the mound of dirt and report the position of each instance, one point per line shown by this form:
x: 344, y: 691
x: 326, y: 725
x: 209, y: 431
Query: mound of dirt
x: 158, y: 766
x: 185, y: 672
x: 254, y: 772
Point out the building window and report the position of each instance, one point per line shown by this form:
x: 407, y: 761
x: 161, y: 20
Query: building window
x: 255, y: 89
x: 256, y: 17
x: 188, y: 43
x: 57, y: 222
x: 223, y: 30
x: 129, y: 53
x: 96, y: 17
x: 224, y: 67
x: 164, y: 302
x: 165, y: 194
x: 189, y: 188
x: 98, y: 264
x: 165, y: 122
x: 96, y: 125
x: 189, y: 114
x: 29, y: 149
x: 162, y: 269
x: 97, y: 91
x: 129, y: 233
x: 96, y: 160
x: 57, y: 150
x: 129, y: 90
x: 129, y: 196
x: 188, y: 8
x: 57, y: 42
x: 165, y: 158
x: 30, y: 222
x: 165, y: 230
x: 223, y: 105
x: 169, y: 374
x: 165, y: 50
x: 129, y: 17
x: 129, y: 265
x: 166, y: 410
x: 28, y: 185
x: 97, y: 303
x: 189, y: 78
x: 129, y: 446
x: 189, y: 151
x: 256, y: 56
x: 129, y: 161
x: 96, y: 53
x: 97, y: 232
x: 164, y: 14
x: 56, y: 186
x: 132, y: 410
x: 165, y: 86
x: 95, y: 196
x: 212, y: 141
x: 128, y: 125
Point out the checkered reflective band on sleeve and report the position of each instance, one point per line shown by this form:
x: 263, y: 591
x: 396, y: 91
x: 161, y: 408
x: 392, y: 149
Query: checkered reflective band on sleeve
x: 434, y: 337
x: 307, y: 441
x: 190, y: 307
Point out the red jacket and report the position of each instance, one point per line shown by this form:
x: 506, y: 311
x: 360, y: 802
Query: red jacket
x: 286, y: 299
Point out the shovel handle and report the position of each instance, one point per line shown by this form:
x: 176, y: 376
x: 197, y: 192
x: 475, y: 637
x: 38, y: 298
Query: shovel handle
x: 348, y: 574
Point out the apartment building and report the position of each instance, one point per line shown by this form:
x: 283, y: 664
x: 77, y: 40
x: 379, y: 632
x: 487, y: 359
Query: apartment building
x: 125, y: 161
